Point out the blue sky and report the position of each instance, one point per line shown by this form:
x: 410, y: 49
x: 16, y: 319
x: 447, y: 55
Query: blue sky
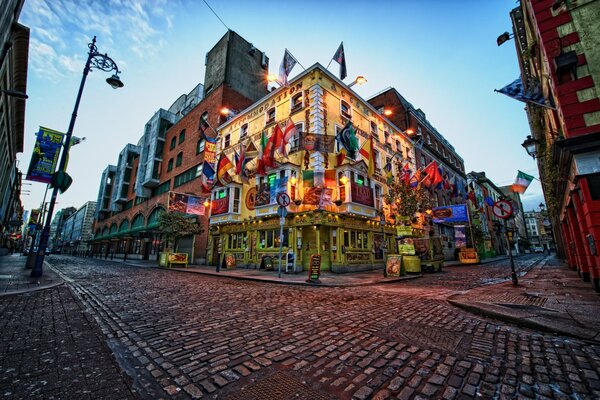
x: 441, y: 55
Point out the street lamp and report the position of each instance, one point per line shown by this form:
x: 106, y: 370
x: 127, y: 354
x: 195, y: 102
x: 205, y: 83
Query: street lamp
x: 383, y: 242
x: 530, y: 146
x: 104, y: 63
x: 359, y: 79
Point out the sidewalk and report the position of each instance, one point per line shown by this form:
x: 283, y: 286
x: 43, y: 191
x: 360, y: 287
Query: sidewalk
x: 15, y: 278
x: 550, y: 298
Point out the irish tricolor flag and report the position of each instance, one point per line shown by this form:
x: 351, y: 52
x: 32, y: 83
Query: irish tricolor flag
x: 522, y: 182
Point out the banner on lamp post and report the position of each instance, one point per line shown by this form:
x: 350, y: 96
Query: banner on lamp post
x: 45, y: 155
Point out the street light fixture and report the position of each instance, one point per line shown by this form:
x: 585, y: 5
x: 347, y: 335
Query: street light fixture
x: 104, y: 63
x: 359, y: 79
x: 530, y: 146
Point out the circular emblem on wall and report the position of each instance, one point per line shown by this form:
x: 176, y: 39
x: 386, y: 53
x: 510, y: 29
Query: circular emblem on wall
x: 251, y: 198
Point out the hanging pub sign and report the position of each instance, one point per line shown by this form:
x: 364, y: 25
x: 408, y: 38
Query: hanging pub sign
x: 450, y: 214
x: 45, y: 155
x: 186, y: 203
x: 315, y: 142
x: 362, y: 194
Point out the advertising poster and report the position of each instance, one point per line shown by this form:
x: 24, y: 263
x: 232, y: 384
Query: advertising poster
x: 45, y: 155
x: 460, y: 236
x: 362, y: 194
x: 314, y: 142
x: 393, y: 265
x: 263, y: 195
x: 185, y: 203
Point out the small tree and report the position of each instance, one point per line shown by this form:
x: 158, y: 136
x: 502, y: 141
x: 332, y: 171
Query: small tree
x: 406, y: 201
x: 175, y: 225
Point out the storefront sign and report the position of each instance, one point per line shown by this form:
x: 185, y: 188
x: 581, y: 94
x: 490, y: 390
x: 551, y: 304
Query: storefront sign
x: 450, y: 214
x: 408, y: 249
x: 314, y: 271
x: 263, y: 196
x: 315, y: 142
x: 404, y: 230
x: 220, y: 206
x: 45, y: 155
x: 362, y: 194
x: 393, y: 264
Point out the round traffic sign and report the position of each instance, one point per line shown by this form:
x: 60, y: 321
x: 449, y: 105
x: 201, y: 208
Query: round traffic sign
x: 283, y: 199
x: 502, y: 209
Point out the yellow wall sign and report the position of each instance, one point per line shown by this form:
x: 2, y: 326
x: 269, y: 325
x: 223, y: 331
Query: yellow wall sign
x: 404, y: 230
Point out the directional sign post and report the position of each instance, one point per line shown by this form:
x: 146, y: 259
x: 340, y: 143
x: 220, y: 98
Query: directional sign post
x: 282, y: 212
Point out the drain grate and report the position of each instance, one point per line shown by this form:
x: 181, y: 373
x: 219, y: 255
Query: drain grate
x: 522, y: 298
x: 278, y: 386
x: 422, y: 336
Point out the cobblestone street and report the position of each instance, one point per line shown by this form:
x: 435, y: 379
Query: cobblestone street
x: 179, y: 335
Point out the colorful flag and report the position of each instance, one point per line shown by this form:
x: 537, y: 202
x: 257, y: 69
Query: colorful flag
x: 329, y: 178
x: 288, y: 133
x: 522, y: 182
x: 433, y: 176
x: 236, y: 160
x: 388, y: 172
x: 208, y: 173
x: 273, y: 144
x: 340, y: 58
x: 348, y: 140
x: 533, y: 93
x: 405, y: 174
x: 341, y: 156
x: 287, y: 64
x: 415, y: 180
x: 203, y: 125
x: 263, y: 155
x: 222, y: 168
x: 308, y: 178
x: 366, y: 151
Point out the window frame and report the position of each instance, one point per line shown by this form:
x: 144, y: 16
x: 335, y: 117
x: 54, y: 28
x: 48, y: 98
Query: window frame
x: 173, y: 143
x: 270, y: 119
x: 179, y: 159
x: 348, y: 112
x: 181, y: 137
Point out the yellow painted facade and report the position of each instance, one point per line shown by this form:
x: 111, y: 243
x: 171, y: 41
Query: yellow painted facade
x: 346, y: 231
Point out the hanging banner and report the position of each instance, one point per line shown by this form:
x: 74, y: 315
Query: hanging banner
x: 312, y: 195
x: 314, y: 142
x: 460, y: 236
x: 263, y: 195
x: 220, y: 206
x: 362, y: 194
x: 185, y: 203
x: 278, y: 186
x: 45, y: 155
x: 450, y: 214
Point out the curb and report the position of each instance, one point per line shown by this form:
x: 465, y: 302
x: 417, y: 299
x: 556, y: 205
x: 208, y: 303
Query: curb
x: 37, y: 288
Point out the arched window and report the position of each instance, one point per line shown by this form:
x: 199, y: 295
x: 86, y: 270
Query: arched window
x: 297, y: 102
x: 181, y: 136
x: 270, y: 116
x: 200, y: 146
x: 345, y: 109
x: 153, y: 217
x: 124, y: 227
x: 113, y: 228
x: 179, y: 159
x: 138, y: 221
x: 170, y: 165
x: 173, y: 143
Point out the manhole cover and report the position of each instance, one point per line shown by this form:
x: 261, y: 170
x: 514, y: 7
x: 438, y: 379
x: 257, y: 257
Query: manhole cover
x: 278, y: 386
x: 422, y: 336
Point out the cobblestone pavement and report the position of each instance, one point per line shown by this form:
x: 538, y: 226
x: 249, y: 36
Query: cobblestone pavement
x: 181, y: 335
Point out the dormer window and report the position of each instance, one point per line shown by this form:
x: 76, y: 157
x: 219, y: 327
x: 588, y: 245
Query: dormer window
x: 346, y: 110
x: 270, y: 116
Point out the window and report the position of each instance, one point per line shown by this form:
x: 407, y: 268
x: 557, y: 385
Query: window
x: 356, y: 239
x: 173, y: 143
x: 162, y: 188
x: 270, y: 238
x: 423, y: 162
x: 378, y: 204
x: 181, y: 136
x: 398, y: 146
x: 226, y: 141
x: 200, y: 146
x: 346, y: 110
x: 270, y: 116
x: 386, y: 138
x: 188, y: 175
x: 295, y: 140
x: 373, y: 128
x: 179, y: 159
x: 237, y: 240
x: 203, y: 124
x: 297, y: 102
x: 236, y: 199
x: 419, y: 130
x: 243, y: 130
x: 341, y: 187
x: 377, y: 160
x: 170, y: 165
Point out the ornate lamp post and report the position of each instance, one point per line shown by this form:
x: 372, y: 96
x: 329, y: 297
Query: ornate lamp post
x: 95, y: 60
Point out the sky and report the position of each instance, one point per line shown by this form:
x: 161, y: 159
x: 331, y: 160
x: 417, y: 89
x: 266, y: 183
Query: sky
x: 441, y: 55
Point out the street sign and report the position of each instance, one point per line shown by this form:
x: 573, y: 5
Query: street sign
x: 283, y: 199
x: 502, y: 209
x: 282, y: 212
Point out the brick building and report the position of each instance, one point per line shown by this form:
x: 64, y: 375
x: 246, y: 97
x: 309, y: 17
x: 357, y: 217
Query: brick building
x: 558, y: 54
x: 170, y: 154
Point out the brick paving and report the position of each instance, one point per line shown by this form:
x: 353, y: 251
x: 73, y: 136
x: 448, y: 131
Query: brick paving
x: 186, y: 336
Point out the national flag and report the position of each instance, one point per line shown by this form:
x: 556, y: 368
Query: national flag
x: 415, y: 180
x: 531, y: 93
x: 388, y: 172
x: 433, y: 176
x: 289, y: 131
x: 366, y: 151
x: 341, y: 156
x: 239, y: 159
x: 287, y: 64
x: 273, y: 144
x: 340, y: 58
x: 308, y: 178
x: 236, y: 161
x: 330, y: 180
x: 347, y: 139
x: 522, y: 182
x: 203, y: 126
x: 208, y: 173
x: 223, y: 167
x: 265, y: 157
x: 405, y: 174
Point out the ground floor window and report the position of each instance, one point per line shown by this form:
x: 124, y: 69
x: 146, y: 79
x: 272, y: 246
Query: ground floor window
x: 356, y: 239
x: 236, y: 240
x: 270, y: 238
